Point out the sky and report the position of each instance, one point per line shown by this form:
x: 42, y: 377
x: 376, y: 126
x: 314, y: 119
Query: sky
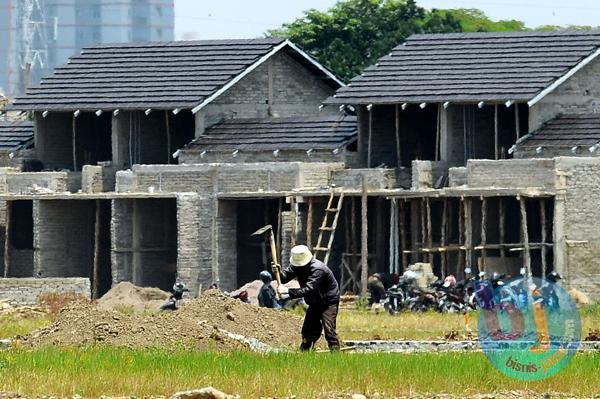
x: 229, y: 19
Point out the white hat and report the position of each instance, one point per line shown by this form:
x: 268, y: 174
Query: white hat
x: 300, y: 256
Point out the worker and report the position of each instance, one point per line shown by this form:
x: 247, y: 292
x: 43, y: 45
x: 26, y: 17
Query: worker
x: 376, y: 287
x: 266, y: 294
x: 321, y: 292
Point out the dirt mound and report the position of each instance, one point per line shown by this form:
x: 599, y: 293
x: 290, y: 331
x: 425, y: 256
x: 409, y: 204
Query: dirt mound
x: 128, y: 296
x: 203, y: 323
x: 21, y: 312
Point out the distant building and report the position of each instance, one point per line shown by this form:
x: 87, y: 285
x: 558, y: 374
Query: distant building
x: 45, y: 33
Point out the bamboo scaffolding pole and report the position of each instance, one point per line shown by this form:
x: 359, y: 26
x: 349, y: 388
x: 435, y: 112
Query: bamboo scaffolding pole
x: 443, y: 257
x: 353, y: 231
x: 397, y: 128
x: 7, y: 238
x: 294, y: 215
x: 525, y: 240
x: 414, y: 228
x: 483, y: 232
x: 96, y: 251
x: 402, y: 217
x: 369, y: 138
x: 543, y: 222
x: 423, y: 225
x: 74, y: 142
x: 461, y: 256
x: 501, y: 225
x: 168, y: 132
x: 429, y: 234
x: 348, y: 247
x: 309, y: 223
x: 364, y: 238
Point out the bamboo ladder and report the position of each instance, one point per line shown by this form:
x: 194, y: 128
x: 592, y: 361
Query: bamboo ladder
x: 327, y: 228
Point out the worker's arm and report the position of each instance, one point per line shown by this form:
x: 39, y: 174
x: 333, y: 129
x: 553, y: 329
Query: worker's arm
x: 287, y: 274
x: 312, y: 285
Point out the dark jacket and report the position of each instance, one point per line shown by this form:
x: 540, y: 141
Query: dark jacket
x: 266, y: 297
x: 318, y: 285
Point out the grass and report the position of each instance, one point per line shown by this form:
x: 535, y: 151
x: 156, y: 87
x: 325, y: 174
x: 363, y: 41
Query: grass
x: 95, y: 372
x: 12, y: 326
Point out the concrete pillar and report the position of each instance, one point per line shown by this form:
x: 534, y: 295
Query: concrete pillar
x: 227, y: 244
x: 452, y: 135
x: 121, y: 225
x: 120, y: 140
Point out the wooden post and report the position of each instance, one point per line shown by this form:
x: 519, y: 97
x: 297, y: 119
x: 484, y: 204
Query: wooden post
x: 414, y: 230
x: 461, y: 236
x: 429, y: 235
x: 468, y: 234
x: 443, y: 257
x: 398, y: 145
x: 348, y: 240
x: 543, y: 226
x: 526, y: 252
x: 7, y: 238
x: 96, y: 252
x: 309, y: 223
x: 423, y: 228
x: 294, y: 215
x: 501, y: 227
x: 496, y: 131
x: 74, y: 143
x: 369, y: 138
x: 438, y: 130
x: 465, y: 133
x: 364, y: 250
x: 353, y: 242
x: 483, y: 231
x: 278, y: 237
x: 379, y: 233
x: 517, y: 122
x: 402, y: 218
x: 168, y: 131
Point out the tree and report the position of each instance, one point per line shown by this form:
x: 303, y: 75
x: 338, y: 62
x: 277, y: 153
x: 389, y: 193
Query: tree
x: 353, y: 34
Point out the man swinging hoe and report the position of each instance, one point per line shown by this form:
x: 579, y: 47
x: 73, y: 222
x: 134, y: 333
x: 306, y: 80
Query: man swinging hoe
x: 320, y: 291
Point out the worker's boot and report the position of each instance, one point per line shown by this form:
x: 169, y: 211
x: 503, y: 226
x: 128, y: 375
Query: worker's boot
x: 306, y: 345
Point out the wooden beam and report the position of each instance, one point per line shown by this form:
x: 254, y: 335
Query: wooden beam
x: 496, y: 155
x: 525, y: 233
x: 414, y: 228
x: 423, y: 225
x: 543, y: 223
x: 7, y: 238
x: 168, y: 132
x: 294, y: 215
x: 398, y: 146
x: 468, y: 234
x: 74, y: 142
x: 309, y: 222
x: 353, y: 231
x: 369, y: 138
x: 461, y: 236
x: 465, y: 133
x: 96, y: 252
x: 517, y: 122
x: 483, y: 231
x: 347, y: 240
x: 364, y: 238
x: 380, y: 234
x: 501, y: 225
x: 443, y: 258
x: 438, y: 130
x: 402, y: 217
x: 429, y: 233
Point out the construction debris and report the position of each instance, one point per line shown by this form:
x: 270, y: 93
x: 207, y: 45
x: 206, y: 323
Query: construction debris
x: 204, y: 393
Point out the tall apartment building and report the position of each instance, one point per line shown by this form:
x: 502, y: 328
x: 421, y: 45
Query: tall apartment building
x: 38, y: 35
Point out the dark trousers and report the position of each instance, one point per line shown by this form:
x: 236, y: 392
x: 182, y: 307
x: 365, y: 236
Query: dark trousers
x: 319, y: 319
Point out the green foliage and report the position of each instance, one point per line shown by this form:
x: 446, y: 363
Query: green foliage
x: 353, y: 34
x: 96, y: 372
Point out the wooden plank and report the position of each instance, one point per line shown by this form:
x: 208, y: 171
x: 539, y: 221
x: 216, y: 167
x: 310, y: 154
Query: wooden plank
x: 397, y: 129
x: 496, y: 154
x: 525, y: 235
x: 444, y: 226
x: 543, y: 223
x: 7, y: 238
x: 402, y: 219
x: 483, y: 232
x: 364, y: 238
x: 369, y: 144
x: 95, y: 273
x: 309, y: 222
x: 168, y: 132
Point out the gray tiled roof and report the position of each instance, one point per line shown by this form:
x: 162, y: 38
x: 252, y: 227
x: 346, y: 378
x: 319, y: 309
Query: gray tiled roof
x: 162, y: 75
x: 470, y: 67
x: 566, y: 131
x: 269, y: 134
x: 14, y: 135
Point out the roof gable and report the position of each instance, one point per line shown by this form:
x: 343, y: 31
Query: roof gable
x: 163, y: 75
x: 471, y: 67
x: 15, y: 134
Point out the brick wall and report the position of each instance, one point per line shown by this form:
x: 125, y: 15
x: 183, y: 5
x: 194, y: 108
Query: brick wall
x: 511, y: 173
x: 576, y: 232
x: 578, y: 94
x: 63, y: 238
x: 32, y: 182
x: 227, y: 245
x: 121, y: 239
x: 54, y: 139
x: 187, y: 157
x: 26, y: 291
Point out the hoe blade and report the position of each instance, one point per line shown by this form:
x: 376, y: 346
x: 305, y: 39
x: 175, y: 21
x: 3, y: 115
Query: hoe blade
x: 262, y: 230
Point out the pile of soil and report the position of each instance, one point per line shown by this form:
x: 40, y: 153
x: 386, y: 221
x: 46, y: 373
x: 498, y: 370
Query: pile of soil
x: 128, y: 296
x: 21, y: 312
x: 203, y: 323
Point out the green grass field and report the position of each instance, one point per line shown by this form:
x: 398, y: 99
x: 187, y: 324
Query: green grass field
x: 119, y: 372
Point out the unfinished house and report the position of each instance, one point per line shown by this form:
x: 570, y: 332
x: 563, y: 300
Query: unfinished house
x: 161, y: 159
